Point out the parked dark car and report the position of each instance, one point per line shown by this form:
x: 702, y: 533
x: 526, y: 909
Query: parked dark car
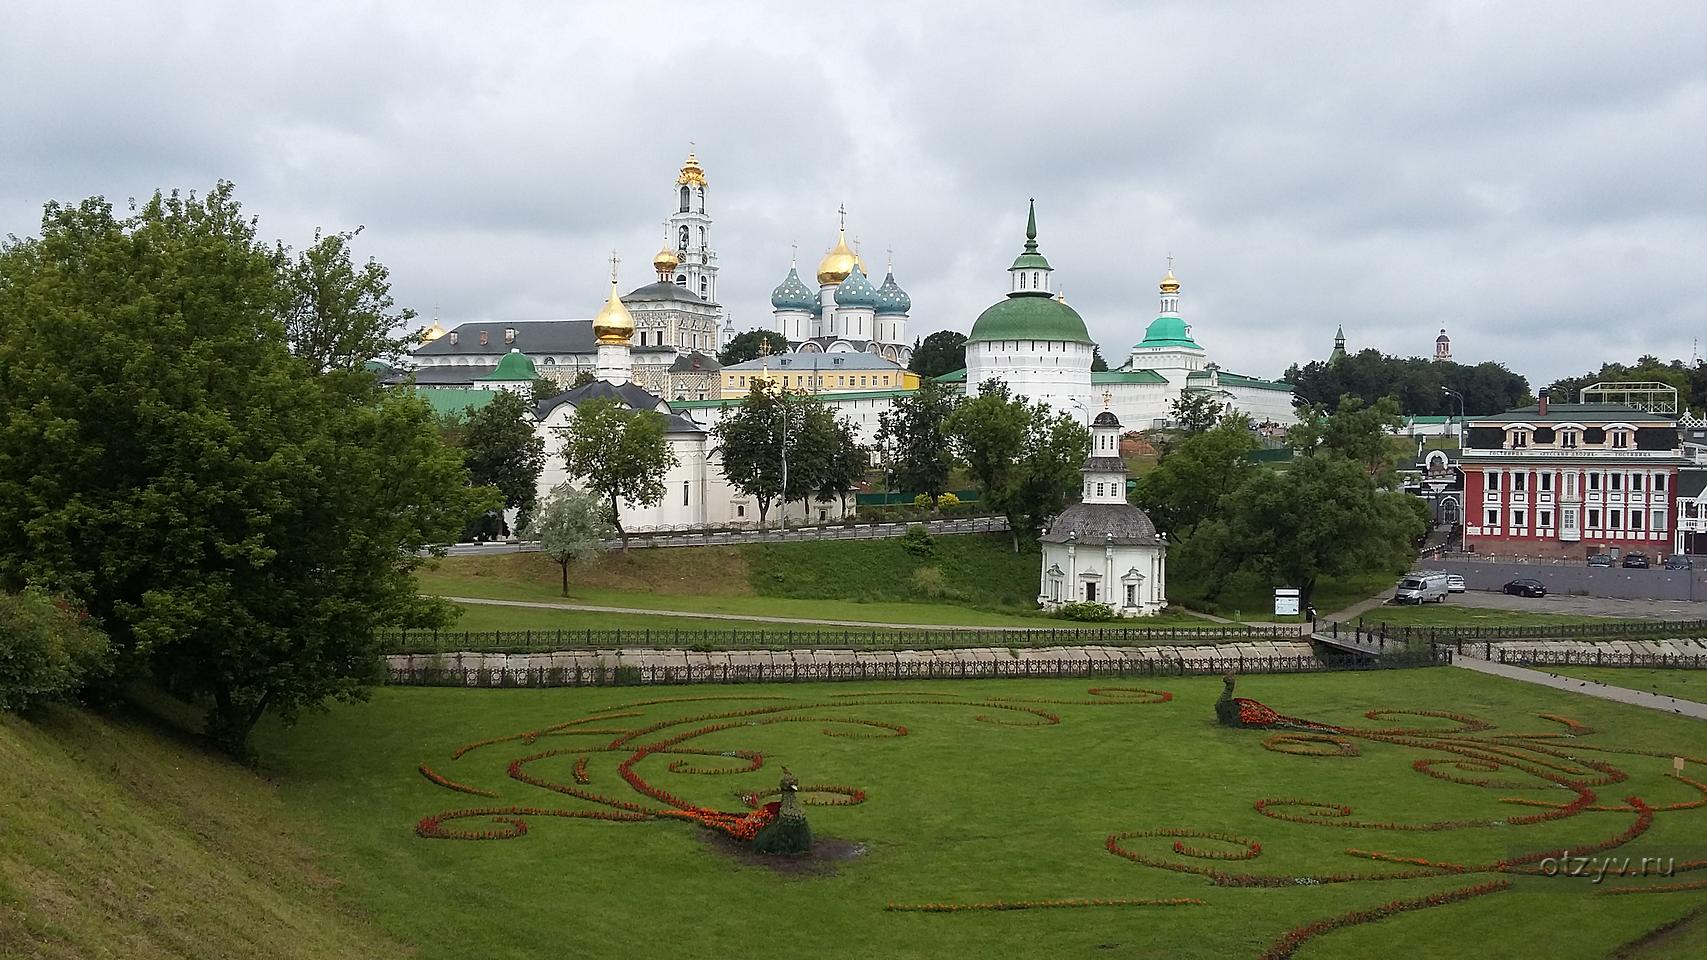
x: 1526, y: 588
x: 1600, y: 560
x: 1678, y: 563
x: 1636, y: 560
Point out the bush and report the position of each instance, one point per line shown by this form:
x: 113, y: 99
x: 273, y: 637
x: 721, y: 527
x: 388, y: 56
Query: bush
x: 1086, y: 610
x: 923, y: 501
x: 947, y: 501
x: 49, y: 650
x: 918, y: 543
x: 929, y: 582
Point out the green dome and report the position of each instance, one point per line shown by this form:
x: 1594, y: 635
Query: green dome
x: 514, y: 366
x: 1031, y: 315
x: 1166, y: 331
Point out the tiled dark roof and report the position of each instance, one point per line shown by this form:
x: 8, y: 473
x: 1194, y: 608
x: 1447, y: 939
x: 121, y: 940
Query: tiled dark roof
x: 1575, y: 412
x: 533, y: 337
x: 662, y: 290
x: 1690, y: 483
x: 695, y: 361
x: 629, y: 395
x: 1095, y: 522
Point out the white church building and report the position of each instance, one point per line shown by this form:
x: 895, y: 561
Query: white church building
x: 1103, y: 549
x: 1039, y: 346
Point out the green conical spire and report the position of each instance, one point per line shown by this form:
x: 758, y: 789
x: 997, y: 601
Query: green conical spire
x: 1031, y: 259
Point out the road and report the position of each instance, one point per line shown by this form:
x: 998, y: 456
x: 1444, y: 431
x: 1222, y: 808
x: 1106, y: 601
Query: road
x: 1593, y: 606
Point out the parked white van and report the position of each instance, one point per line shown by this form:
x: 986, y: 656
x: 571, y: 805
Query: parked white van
x: 1421, y: 587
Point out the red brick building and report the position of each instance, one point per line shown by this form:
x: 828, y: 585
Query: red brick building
x: 1570, y: 480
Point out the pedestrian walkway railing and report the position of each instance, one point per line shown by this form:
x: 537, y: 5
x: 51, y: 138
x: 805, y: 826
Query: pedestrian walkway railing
x: 455, y: 672
x: 1593, y: 658
x: 540, y: 641
x: 1405, y: 635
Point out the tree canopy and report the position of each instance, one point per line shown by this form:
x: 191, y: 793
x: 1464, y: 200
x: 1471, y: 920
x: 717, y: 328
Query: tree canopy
x: 1024, y: 457
x: 1356, y: 431
x: 240, y: 522
x: 748, y: 344
x: 913, y: 435
x: 571, y: 526
x: 339, y: 315
x: 1186, y: 486
x: 942, y: 352
x: 1414, y: 382
x: 822, y: 453
x: 618, y: 454
x: 502, y: 451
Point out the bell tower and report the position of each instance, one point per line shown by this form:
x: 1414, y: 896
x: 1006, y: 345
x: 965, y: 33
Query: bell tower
x: 690, y: 232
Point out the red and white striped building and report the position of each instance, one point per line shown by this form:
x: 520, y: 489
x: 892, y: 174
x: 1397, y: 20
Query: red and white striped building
x: 1571, y: 479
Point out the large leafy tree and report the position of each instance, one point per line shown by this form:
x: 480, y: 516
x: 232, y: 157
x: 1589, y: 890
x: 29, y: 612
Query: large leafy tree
x: 571, y: 526
x: 619, y: 454
x: 1322, y: 517
x: 1024, y: 457
x: 913, y: 435
x: 241, y: 522
x: 1355, y: 431
x: 1689, y: 379
x: 749, y: 344
x: 1186, y: 486
x: 339, y: 314
x: 772, y: 426
x: 942, y: 352
x: 503, y: 451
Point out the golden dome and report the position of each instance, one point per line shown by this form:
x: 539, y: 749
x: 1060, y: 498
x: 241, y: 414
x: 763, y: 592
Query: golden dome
x: 666, y: 260
x: 614, y: 324
x: 1169, y: 283
x: 839, y: 262
x: 432, y: 333
x: 691, y: 173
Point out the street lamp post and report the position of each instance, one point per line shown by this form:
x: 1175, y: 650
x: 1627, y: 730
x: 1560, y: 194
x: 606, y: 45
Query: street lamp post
x: 1464, y: 505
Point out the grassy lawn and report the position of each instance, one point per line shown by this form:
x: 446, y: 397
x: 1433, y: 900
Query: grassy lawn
x: 123, y: 840
x: 984, y: 584
x: 1255, y: 602
x: 1450, y: 615
x: 963, y: 810
x: 1683, y: 684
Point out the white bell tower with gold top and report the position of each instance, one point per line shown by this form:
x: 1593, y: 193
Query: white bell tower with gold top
x: 690, y: 232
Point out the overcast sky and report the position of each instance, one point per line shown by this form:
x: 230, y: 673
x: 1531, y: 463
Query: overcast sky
x: 1530, y: 176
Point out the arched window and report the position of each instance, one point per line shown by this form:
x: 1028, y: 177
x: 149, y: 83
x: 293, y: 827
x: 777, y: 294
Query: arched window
x: 1036, y: 283
x: 683, y: 244
x: 702, y: 236
x: 684, y: 198
x: 1022, y: 280
x: 701, y: 199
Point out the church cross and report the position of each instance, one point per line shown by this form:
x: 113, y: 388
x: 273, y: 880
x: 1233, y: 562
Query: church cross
x: 1170, y: 263
x: 842, y: 214
x: 1107, y: 397
x: 614, y: 260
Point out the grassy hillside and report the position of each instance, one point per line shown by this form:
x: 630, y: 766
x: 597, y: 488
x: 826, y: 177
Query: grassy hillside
x: 121, y: 840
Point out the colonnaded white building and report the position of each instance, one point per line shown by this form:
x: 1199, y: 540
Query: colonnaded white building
x: 1103, y: 549
x: 1039, y: 346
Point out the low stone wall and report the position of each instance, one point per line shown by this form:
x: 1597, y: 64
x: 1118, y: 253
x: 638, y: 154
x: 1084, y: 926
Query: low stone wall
x: 631, y: 666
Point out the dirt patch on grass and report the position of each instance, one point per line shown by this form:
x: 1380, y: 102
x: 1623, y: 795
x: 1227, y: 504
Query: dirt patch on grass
x: 702, y: 571
x: 821, y: 862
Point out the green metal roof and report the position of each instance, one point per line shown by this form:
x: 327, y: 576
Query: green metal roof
x: 958, y: 376
x: 1127, y: 376
x: 455, y: 399
x: 1030, y: 261
x: 514, y: 366
x: 1240, y: 380
x: 1168, y: 331
x: 1030, y: 315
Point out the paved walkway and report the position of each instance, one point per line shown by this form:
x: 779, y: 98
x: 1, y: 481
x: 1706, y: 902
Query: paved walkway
x: 1687, y: 708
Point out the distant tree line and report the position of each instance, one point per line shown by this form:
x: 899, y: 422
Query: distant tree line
x: 1690, y: 380
x: 1413, y: 382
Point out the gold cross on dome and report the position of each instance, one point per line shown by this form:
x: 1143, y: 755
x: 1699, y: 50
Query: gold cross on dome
x: 614, y: 260
x: 842, y: 215
x: 1170, y: 263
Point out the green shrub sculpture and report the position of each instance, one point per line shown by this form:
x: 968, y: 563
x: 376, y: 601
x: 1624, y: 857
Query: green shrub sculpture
x: 788, y: 835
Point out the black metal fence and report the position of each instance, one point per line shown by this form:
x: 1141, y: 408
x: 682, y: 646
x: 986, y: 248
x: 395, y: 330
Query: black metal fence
x: 544, y: 641
x: 456, y: 674
x: 1409, y: 634
x: 1598, y: 658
